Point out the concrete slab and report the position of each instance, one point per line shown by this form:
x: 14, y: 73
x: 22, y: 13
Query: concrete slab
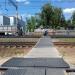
x: 55, y: 71
x: 44, y: 53
x: 35, y: 71
x: 36, y: 62
x: 44, y: 49
x: 44, y: 42
x: 26, y: 71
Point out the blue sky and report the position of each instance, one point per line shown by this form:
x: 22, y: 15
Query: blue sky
x: 26, y: 8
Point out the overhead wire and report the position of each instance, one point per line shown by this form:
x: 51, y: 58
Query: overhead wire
x: 23, y: 4
x: 30, y: 6
x: 6, y: 5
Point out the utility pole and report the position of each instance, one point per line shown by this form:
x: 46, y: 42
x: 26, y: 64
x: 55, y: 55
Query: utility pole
x: 16, y: 7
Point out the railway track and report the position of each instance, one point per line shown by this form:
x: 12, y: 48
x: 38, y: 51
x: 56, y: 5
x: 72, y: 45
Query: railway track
x: 17, y: 44
x: 64, y: 43
x: 24, y: 44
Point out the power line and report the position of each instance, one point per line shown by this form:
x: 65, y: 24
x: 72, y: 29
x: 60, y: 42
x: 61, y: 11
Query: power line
x: 28, y: 6
x: 31, y: 6
x: 43, y: 1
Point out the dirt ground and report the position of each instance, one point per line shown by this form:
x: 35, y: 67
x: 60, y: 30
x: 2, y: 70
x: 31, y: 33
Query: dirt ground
x: 7, y: 53
x: 68, y: 53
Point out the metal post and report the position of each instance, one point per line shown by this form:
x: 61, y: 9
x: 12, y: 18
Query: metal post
x: 17, y: 16
x: 5, y: 5
x: 45, y: 71
x: 16, y: 7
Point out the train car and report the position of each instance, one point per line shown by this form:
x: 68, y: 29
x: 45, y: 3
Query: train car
x: 4, y: 20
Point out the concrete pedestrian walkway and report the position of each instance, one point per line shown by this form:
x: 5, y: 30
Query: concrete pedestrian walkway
x: 44, y: 49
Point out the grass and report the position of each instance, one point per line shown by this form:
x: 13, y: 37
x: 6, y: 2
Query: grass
x: 68, y: 53
x: 65, y: 39
x: 19, y: 39
x: 9, y: 52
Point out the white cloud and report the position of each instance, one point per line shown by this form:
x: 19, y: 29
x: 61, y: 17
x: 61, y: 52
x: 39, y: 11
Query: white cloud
x: 26, y: 15
x: 1, y: 12
x: 27, y: 2
x: 68, y: 10
x: 57, y: 0
x: 20, y: 0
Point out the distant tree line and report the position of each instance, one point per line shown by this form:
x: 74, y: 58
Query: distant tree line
x: 50, y: 17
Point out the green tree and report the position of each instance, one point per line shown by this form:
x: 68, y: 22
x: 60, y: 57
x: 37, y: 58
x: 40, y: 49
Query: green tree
x: 49, y: 17
x: 46, y: 15
x: 56, y: 18
x: 63, y: 21
x: 73, y: 19
x: 68, y: 23
x: 52, y: 17
x: 39, y: 22
x: 28, y: 25
x: 31, y: 23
